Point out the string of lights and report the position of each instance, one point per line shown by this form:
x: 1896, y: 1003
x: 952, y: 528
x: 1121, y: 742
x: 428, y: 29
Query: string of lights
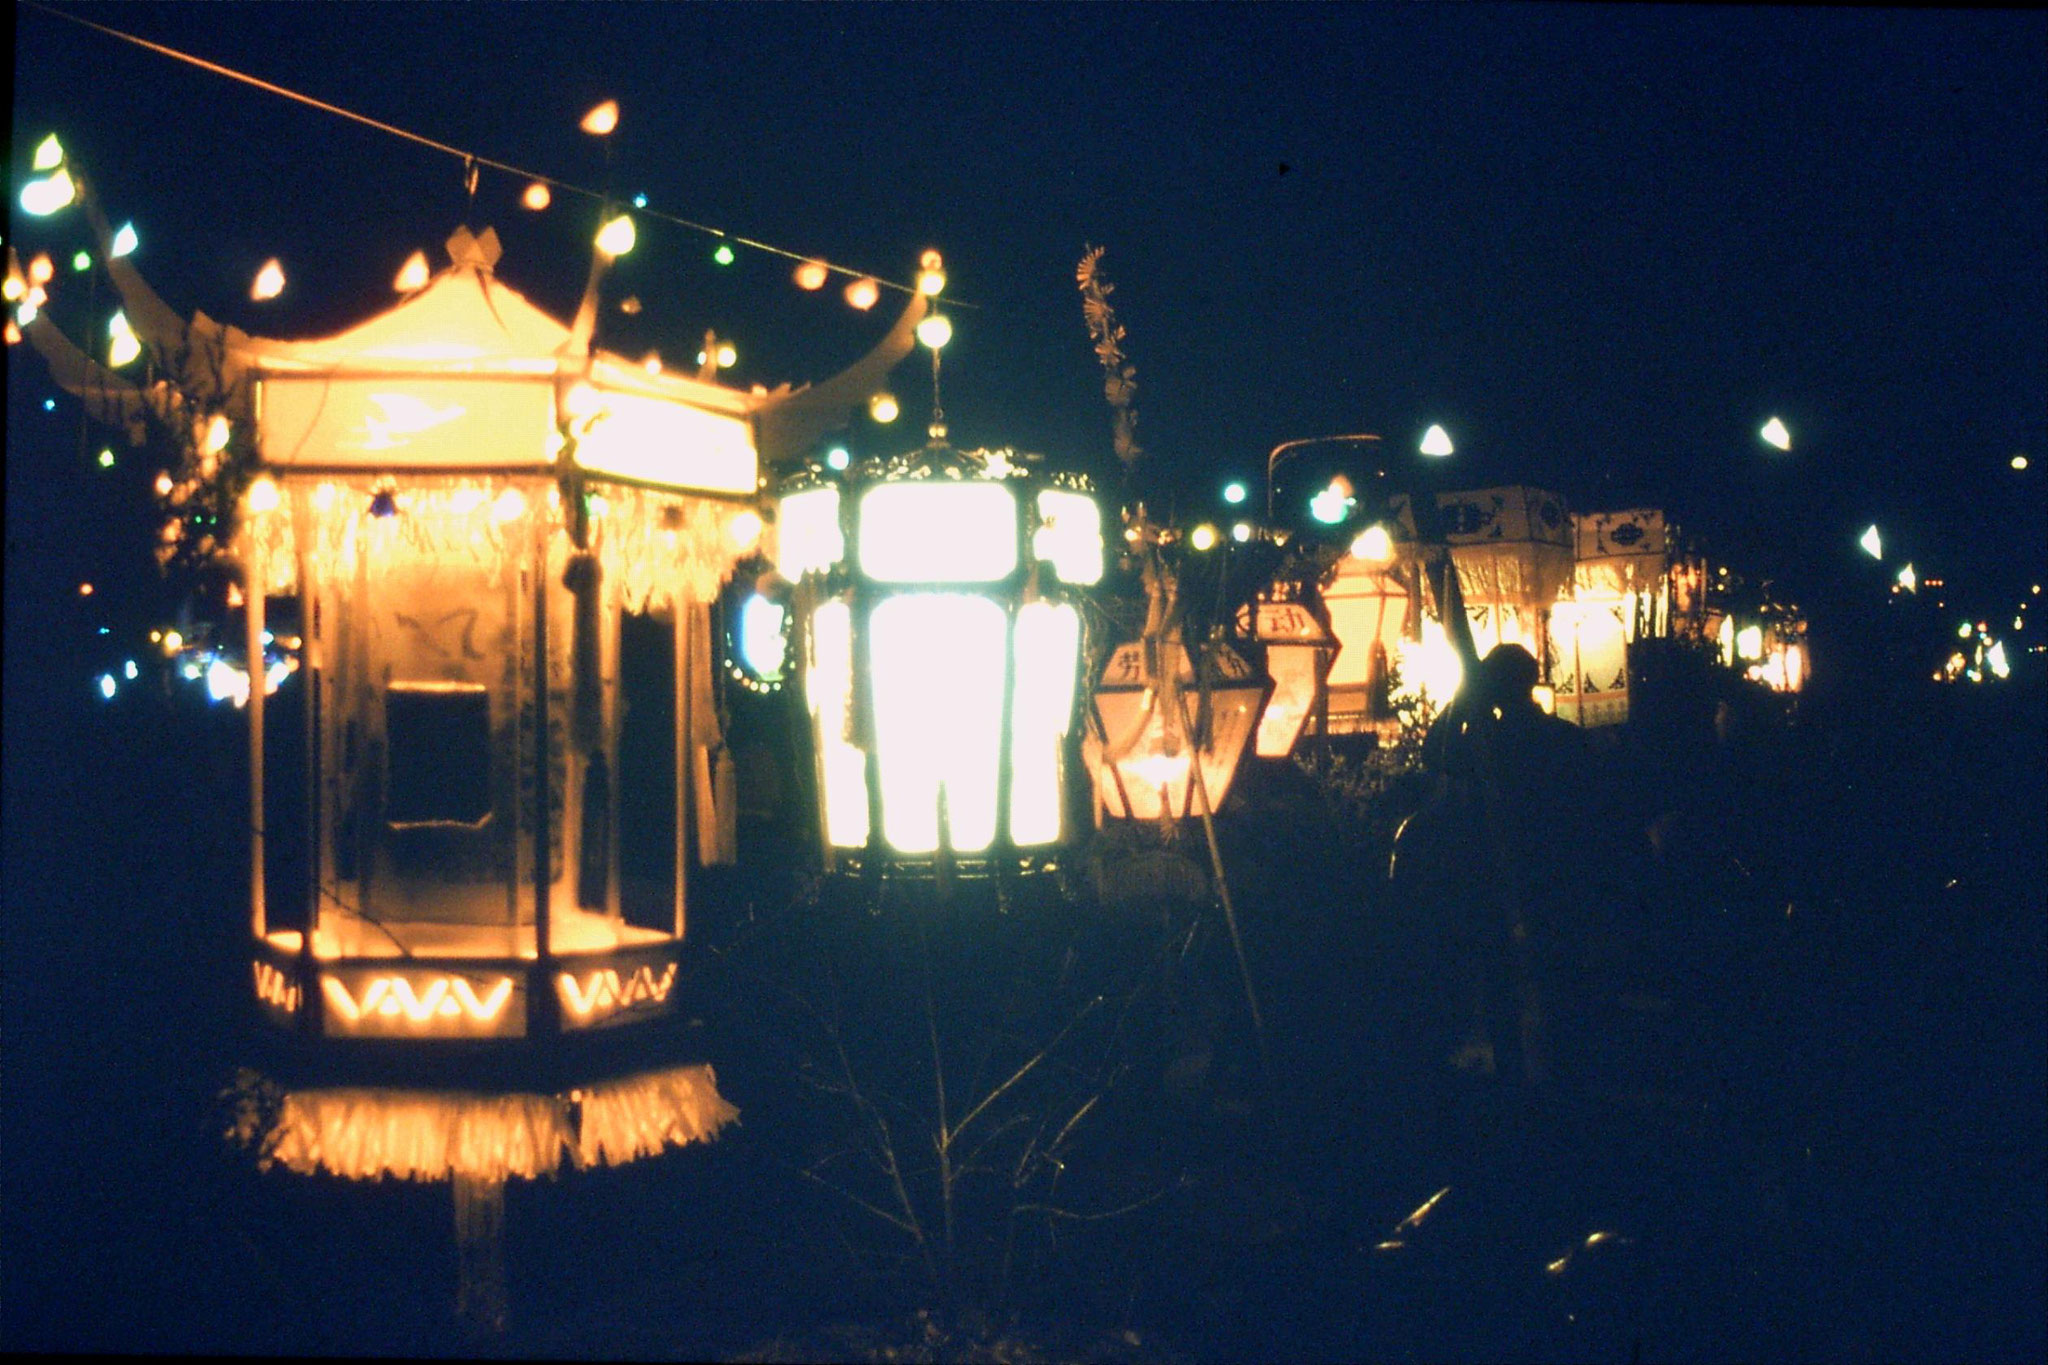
x: 810, y: 267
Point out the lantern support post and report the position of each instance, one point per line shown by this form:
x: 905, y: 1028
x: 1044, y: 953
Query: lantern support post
x: 254, y: 581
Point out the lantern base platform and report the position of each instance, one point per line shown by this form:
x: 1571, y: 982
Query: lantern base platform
x: 925, y: 867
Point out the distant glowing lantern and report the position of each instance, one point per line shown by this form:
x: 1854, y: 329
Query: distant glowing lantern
x: 1167, y: 738
x: 1909, y: 580
x: 106, y: 459
x: 125, y: 242
x: 1872, y: 544
x: 217, y: 433
x: 262, y: 495
x: 1299, y: 649
x: 941, y: 657
x: 537, y: 196
x: 1436, y: 442
x: 862, y: 293
x: 85, y: 589
x: 1774, y: 433
x: 616, y: 238
x: 1375, y: 545
x: 123, y: 346
x: 49, y: 154
x: 163, y: 484
x: 935, y: 331
x: 931, y: 274
x: 46, y: 195
x: 602, y: 119
x: 1749, y: 643
x: 1202, y: 538
x: 1235, y: 492
x: 882, y: 407
x: 1241, y: 532
x: 2019, y: 462
x: 269, y: 281
x: 810, y: 275
x: 1333, y: 504
x: 81, y: 260
x: 413, y: 274
x: 837, y: 458
x: 40, y: 269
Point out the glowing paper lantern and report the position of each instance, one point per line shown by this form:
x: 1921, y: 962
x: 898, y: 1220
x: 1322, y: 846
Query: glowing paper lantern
x: 413, y: 274
x: 950, y: 742
x: 931, y: 274
x: 269, y: 282
x: 1374, y: 544
x: 40, y: 269
x: 810, y: 275
x: 602, y: 119
x: 616, y: 238
x: 537, y: 196
x: 1298, y: 654
x: 862, y: 293
x: 935, y: 331
x: 46, y: 195
x: 1162, y: 745
x: 882, y: 407
x: 1202, y: 538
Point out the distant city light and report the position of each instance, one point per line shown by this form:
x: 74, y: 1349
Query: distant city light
x: 1775, y: 433
x: 1332, y: 504
x: 723, y: 255
x: 1436, y: 442
x: 108, y: 686
x: 837, y: 458
x: 2019, y: 462
x: 1872, y: 544
x: 935, y: 331
x: 1235, y: 492
x: 1241, y: 532
x: 1908, y: 580
x: 1203, y: 537
x: 81, y: 260
x: 106, y: 459
x: 130, y: 671
x: 639, y: 201
x: 601, y: 119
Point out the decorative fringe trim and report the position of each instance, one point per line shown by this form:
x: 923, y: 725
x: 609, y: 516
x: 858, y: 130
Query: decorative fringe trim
x: 369, y: 1133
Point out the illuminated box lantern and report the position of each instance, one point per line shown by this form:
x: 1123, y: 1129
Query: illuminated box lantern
x: 1620, y: 591
x: 505, y: 547
x: 1374, y: 602
x: 1163, y: 744
x: 1299, y: 649
x: 1514, y: 552
x: 940, y: 654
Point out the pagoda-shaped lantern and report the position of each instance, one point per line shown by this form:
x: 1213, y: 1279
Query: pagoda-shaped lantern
x: 1513, y: 548
x: 1618, y: 594
x: 941, y: 645
x: 1299, y: 648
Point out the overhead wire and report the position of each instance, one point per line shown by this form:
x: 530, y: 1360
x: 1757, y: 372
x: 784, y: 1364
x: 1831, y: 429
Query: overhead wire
x: 469, y: 158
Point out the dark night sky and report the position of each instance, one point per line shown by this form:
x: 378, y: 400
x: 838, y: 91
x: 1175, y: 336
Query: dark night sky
x: 1600, y: 244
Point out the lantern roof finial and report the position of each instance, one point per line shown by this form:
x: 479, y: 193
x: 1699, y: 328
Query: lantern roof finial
x: 479, y: 253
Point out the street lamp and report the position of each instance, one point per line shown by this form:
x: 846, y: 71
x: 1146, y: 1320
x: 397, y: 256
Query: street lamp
x: 1273, y: 459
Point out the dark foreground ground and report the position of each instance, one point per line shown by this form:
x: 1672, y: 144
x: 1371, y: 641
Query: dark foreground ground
x: 1803, y: 1120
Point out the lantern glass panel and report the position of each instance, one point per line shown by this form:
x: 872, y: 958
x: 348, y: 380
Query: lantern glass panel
x: 938, y: 532
x: 1069, y: 535
x: 808, y: 536
x: 1293, y: 669
x: 439, y: 740
x: 937, y: 665
x: 842, y: 768
x: 1048, y: 650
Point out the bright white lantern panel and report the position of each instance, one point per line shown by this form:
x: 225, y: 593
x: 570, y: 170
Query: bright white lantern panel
x: 938, y: 661
x: 1048, y: 654
x: 938, y: 532
x: 808, y: 538
x: 1070, y: 535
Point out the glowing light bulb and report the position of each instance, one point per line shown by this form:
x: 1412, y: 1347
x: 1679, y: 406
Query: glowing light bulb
x: 935, y: 331
x: 601, y: 119
x: 882, y: 407
x: 49, y: 154
x: 509, y: 505
x: 930, y: 278
x: 217, y: 432
x: 40, y: 269
x: 616, y: 238
x: 723, y: 255
x: 744, y: 528
x: 810, y: 275
x: 1241, y: 532
x: 727, y: 356
x: 123, y: 346
x: 125, y: 242
x: 1774, y: 433
x: 639, y: 201
x: 837, y: 458
x: 81, y: 260
x: 41, y: 198
x: 862, y: 294
x: 14, y: 287
x: 163, y: 484
x: 85, y: 589
x: 1436, y: 442
x: 653, y: 362
x: 537, y: 197
x: 263, y: 495
x: 269, y: 282
x: 1909, y: 580
x: 1872, y: 543
x: 1333, y: 504
x: 1235, y: 492
x: 1373, y: 544
x: 1203, y: 537
x: 2019, y: 462
x: 412, y: 275
x: 106, y: 459
x: 107, y: 686
x: 13, y: 332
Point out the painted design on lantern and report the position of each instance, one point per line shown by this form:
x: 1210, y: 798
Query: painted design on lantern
x: 393, y: 996
x: 601, y: 993
x: 276, y: 989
